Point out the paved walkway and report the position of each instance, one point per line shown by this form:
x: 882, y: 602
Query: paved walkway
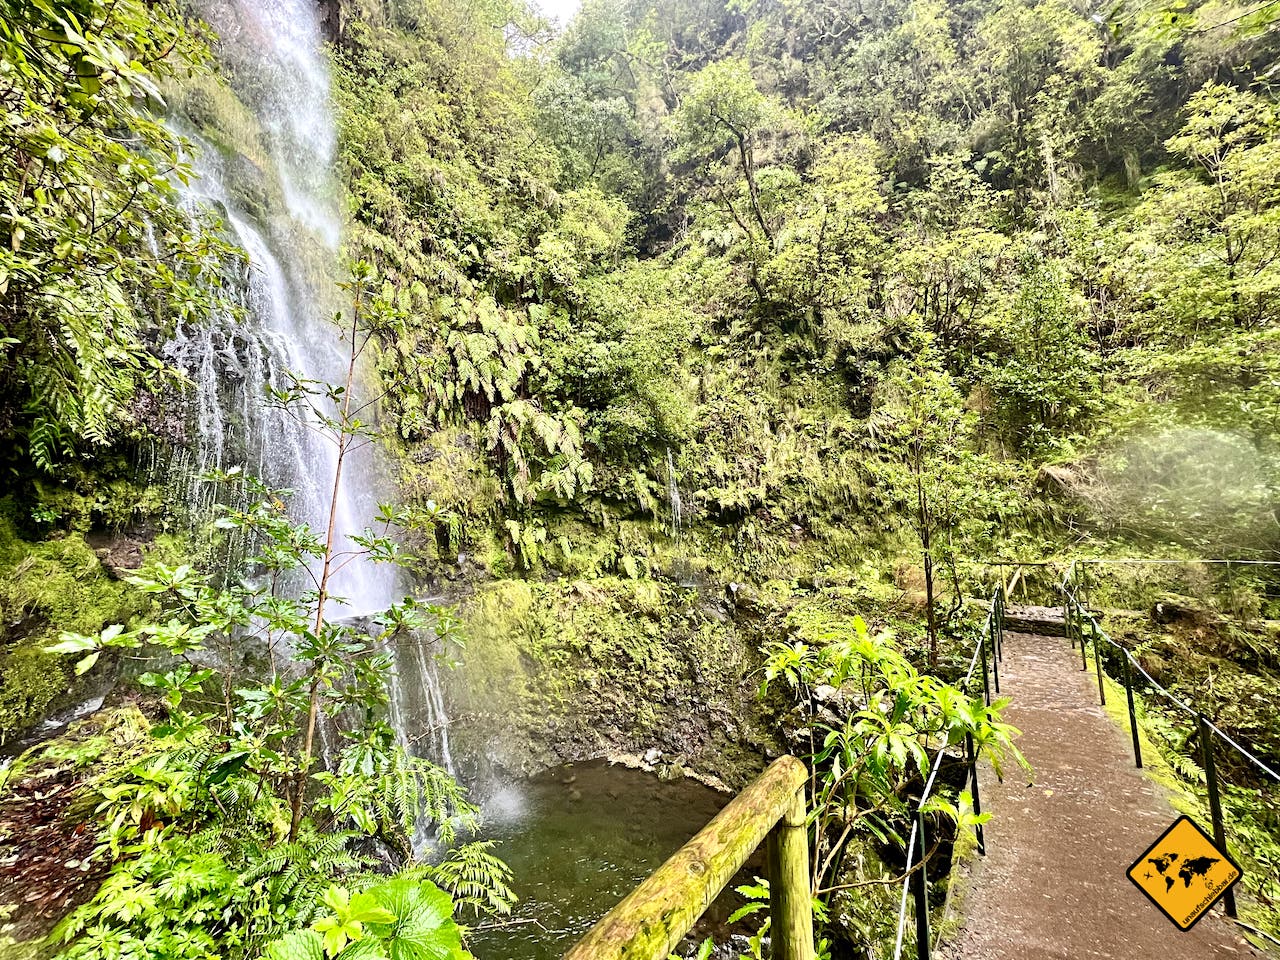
x: 1052, y: 885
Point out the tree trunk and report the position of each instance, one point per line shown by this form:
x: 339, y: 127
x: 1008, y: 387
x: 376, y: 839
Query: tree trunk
x: 926, y: 541
x: 317, y: 668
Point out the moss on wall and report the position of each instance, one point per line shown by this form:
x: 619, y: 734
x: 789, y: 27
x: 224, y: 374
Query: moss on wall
x: 46, y: 588
x: 568, y: 670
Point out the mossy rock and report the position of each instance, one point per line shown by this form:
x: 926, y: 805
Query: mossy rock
x: 47, y: 588
x: 565, y: 671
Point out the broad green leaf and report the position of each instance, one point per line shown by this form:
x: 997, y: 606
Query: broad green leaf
x: 299, y: 945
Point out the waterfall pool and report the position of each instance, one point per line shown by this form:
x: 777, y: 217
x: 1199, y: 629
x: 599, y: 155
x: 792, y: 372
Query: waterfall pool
x: 578, y: 838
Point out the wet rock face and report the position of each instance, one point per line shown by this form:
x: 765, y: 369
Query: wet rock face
x: 331, y: 19
x: 121, y: 555
x: 556, y: 672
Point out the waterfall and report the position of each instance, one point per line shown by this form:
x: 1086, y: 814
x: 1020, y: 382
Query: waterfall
x: 673, y: 497
x: 279, y: 324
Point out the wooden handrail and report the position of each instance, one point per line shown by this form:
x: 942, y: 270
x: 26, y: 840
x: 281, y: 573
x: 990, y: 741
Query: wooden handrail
x: 651, y: 920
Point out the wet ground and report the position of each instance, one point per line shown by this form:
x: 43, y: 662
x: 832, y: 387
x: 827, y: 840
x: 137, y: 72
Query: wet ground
x: 1053, y: 883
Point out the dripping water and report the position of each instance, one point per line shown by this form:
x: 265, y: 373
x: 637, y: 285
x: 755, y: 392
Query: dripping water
x: 673, y: 497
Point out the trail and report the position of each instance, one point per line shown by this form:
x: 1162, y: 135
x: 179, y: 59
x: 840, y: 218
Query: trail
x: 1053, y: 883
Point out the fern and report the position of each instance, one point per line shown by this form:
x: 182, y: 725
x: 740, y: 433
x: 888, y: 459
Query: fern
x: 475, y: 878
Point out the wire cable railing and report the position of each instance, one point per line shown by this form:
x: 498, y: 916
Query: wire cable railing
x: 1077, y: 617
x: 987, y: 652
x: 1083, y: 629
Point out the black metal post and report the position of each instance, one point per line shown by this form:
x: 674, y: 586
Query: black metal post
x: 995, y: 659
x: 986, y: 686
x: 1133, y: 714
x: 1215, y: 801
x: 1084, y: 647
x: 977, y: 799
x: 1066, y: 619
x: 1097, y: 661
x: 1000, y: 623
x: 923, y: 945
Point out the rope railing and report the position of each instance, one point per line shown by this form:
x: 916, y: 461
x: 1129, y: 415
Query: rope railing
x: 987, y: 652
x: 1101, y: 635
x: 1076, y: 616
x: 1133, y: 561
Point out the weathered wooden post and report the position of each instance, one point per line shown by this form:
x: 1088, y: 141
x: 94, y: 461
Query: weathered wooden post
x: 790, y: 909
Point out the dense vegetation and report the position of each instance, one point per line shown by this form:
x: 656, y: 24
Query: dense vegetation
x: 806, y: 304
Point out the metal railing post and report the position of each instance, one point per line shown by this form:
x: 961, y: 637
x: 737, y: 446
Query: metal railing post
x: 986, y: 685
x: 995, y: 657
x: 1084, y: 646
x: 1000, y: 605
x: 923, y: 944
x: 977, y: 799
x: 1133, y: 713
x: 1215, y: 800
x: 1097, y: 660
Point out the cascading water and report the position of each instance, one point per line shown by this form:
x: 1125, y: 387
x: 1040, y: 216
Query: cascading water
x: 673, y: 496
x: 289, y: 226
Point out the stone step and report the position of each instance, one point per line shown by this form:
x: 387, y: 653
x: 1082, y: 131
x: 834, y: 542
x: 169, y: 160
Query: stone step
x: 1044, y: 621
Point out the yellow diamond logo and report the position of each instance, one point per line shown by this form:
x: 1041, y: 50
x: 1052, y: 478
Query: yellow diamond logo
x: 1184, y: 873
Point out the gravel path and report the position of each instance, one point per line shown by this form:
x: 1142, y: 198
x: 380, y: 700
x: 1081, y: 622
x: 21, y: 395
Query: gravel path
x: 1053, y: 883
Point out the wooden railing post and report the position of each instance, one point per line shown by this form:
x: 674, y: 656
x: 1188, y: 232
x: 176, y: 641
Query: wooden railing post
x: 790, y: 909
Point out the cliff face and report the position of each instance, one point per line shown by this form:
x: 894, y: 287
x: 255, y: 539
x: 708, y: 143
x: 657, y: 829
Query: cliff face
x: 331, y: 22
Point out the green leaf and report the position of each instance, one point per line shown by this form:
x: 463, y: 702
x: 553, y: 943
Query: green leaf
x: 73, y: 643
x: 229, y: 765
x: 299, y: 945
x: 366, y: 909
x: 424, y: 928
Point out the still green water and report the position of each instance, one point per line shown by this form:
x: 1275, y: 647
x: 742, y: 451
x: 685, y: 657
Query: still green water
x: 578, y: 839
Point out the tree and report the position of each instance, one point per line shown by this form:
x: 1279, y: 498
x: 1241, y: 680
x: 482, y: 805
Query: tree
x: 95, y: 253
x: 1217, y: 224
x: 828, y: 249
x: 897, y: 78
x: 724, y: 110
x: 1040, y: 62
x: 920, y: 428
x: 1038, y: 364
x: 948, y: 257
